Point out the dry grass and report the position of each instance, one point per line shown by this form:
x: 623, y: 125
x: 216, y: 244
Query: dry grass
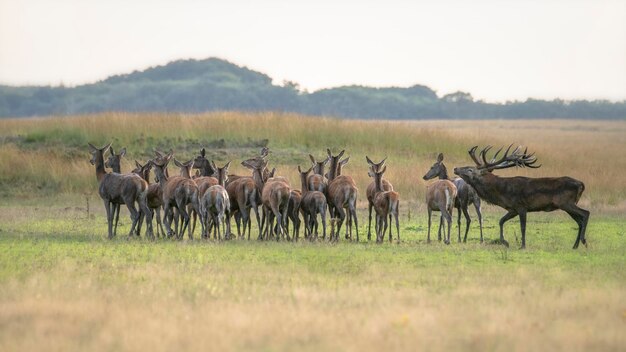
x: 57, y: 159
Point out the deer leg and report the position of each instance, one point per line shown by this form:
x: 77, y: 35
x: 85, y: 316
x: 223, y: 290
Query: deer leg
x: 369, y: 223
x: 323, y: 216
x: 342, y: 217
x: 390, y: 226
x: 480, y: 218
x: 508, y: 216
x: 522, y: 222
x: 581, y: 217
x: 354, y: 220
x: 397, y: 225
x: 116, y: 210
x: 458, y: 221
x: 258, y: 221
x: 429, y: 222
x: 134, y: 215
x: 147, y: 214
x: 448, y: 217
x: 285, y: 217
x: 348, y: 223
x: 382, y: 237
x: 167, y: 219
x: 107, y: 207
x: 439, y: 230
x: 468, y: 221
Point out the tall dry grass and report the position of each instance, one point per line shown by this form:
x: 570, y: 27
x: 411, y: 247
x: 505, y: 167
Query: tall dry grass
x: 50, y: 154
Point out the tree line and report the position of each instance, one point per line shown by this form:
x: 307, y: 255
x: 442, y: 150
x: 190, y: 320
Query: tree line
x: 214, y: 84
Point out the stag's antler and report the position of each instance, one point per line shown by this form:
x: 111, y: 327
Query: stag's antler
x: 516, y: 158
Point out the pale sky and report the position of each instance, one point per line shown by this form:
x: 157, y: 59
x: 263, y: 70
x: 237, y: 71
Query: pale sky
x: 497, y: 50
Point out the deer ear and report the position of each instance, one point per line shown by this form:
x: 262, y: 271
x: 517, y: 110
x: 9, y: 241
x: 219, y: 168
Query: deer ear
x: 369, y: 161
x: 341, y: 154
x: 245, y: 164
x: 137, y: 164
x: 344, y: 161
x: 178, y: 163
x: 327, y: 160
x: 382, y: 162
x: 106, y: 147
x: 202, y: 152
x: 111, y: 150
x: 383, y: 170
x: 92, y: 148
x: 227, y: 165
x: 330, y: 155
x: 299, y: 170
x: 440, y: 157
x: 213, y: 166
x: 123, y: 152
x: 312, y: 158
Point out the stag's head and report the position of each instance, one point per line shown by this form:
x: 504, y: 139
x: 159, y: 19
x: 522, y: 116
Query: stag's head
x: 515, y: 158
x: 374, y: 167
x: 97, y: 152
x: 436, y: 169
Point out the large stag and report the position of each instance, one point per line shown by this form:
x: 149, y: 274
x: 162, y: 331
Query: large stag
x: 371, y: 190
x: 521, y: 195
x: 465, y: 195
x: 341, y: 194
x: 440, y: 196
x: 116, y: 188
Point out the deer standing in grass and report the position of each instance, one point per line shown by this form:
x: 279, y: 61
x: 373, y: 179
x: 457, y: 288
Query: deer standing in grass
x: 313, y: 203
x: 275, y: 194
x: 155, y: 196
x: 116, y: 188
x: 521, y: 195
x: 464, y: 196
x: 114, y: 162
x: 316, y: 180
x: 215, y: 204
x: 386, y: 204
x: 178, y: 192
x: 371, y: 191
x: 440, y: 196
x: 342, y: 194
x: 293, y: 212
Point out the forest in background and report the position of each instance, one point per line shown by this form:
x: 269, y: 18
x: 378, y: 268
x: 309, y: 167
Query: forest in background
x: 217, y: 85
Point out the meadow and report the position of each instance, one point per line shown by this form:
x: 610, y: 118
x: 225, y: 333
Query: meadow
x: 63, y: 286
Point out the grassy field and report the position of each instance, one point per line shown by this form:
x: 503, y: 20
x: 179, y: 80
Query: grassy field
x: 63, y: 286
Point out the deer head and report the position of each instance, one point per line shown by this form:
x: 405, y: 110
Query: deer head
x: 97, y: 153
x: 438, y: 169
x: 515, y: 158
x: 142, y: 170
x: 114, y: 161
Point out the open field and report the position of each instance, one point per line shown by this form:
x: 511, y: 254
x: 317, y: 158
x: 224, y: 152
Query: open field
x: 63, y: 286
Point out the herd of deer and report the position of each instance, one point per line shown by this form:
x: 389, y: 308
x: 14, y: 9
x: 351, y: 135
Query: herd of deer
x: 214, y: 196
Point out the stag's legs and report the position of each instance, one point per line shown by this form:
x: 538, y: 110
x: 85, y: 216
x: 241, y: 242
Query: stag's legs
x: 508, y: 216
x: 581, y: 216
x: 369, y: 223
x: 522, y: 223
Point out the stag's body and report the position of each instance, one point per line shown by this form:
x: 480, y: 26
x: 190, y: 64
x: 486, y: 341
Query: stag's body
x: 216, y: 204
x: 119, y: 188
x: 313, y: 203
x: 464, y: 196
x: 341, y: 194
x: 520, y: 195
x: 371, y: 191
x: 177, y: 192
x: 440, y: 196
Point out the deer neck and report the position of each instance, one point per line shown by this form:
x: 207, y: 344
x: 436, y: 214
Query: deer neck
x: 486, y: 187
x: 100, y: 170
x: 221, y: 179
x: 257, y: 176
x: 206, y: 169
x: 443, y: 173
x: 378, y: 179
x: 161, y: 175
x: 305, y: 184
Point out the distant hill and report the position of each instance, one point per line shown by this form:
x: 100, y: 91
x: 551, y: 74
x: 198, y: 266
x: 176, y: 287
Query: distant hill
x: 215, y: 84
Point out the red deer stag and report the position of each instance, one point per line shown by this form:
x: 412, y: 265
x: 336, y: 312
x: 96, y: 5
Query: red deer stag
x: 215, y: 203
x: 342, y: 194
x: 520, y: 195
x: 116, y: 188
x: 313, y: 203
x: 386, y: 203
x: 371, y: 191
x: 178, y: 192
x: 465, y: 195
x: 440, y: 196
